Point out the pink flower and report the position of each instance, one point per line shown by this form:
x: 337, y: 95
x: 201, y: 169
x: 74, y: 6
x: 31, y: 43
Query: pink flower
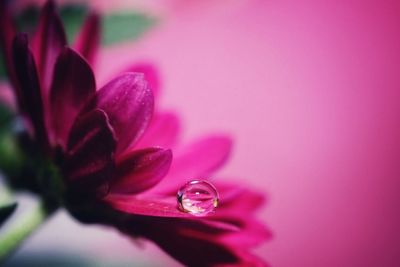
x: 87, y: 133
x: 112, y: 173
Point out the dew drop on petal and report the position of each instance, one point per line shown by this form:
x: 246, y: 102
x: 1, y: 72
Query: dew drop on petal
x: 197, y: 197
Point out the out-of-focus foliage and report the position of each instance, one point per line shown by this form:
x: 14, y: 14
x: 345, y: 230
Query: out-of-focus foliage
x: 11, y: 158
x: 73, y: 16
x: 2, y: 68
x: 125, y: 26
x: 6, y: 117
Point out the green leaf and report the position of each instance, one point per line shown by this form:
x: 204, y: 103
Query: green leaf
x: 6, y: 117
x: 119, y: 27
x: 6, y: 211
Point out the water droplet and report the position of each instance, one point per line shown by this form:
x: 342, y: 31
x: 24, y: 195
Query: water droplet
x: 198, y: 197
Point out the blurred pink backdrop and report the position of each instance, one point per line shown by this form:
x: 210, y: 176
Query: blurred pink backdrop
x: 310, y: 90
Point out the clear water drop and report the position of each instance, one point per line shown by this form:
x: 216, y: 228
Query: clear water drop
x: 198, y: 197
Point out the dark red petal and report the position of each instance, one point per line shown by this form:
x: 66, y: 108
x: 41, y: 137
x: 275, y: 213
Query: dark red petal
x: 73, y: 85
x: 7, y: 34
x: 88, y: 39
x: 140, y: 170
x: 150, y: 74
x: 196, y: 161
x: 129, y: 105
x: 89, y: 162
x: 163, y: 131
x: 49, y: 40
x: 193, y: 246
x: 195, y: 250
x: 29, y: 95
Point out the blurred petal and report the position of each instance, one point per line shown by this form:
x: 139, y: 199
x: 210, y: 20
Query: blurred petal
x: 195, y: 250
x: 197, y: 160
x: 242, y: 199
x: 129, y: 106
x: 163, y: 131
x: 193, y: 246
x: 49, y: 40
x: 89, y: 162
x: 140, y: 170
x: 7, y: 96
x: 73, y: 85
x: 234, y: 202
x: 252, y: 232
x: 29, y: 95
x: 88, y: 39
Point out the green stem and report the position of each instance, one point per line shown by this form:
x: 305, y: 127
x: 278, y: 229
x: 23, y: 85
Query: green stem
x: 21, y: 230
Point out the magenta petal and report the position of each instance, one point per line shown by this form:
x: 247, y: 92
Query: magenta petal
x: 29, y: 95
x: 166, y: 208
x: 150, y: 74
x: 163, y: 131
x: 49, y: 40
x: 88, y: 39
x: 149, y: 206
x: 242, y: 199
x: 89, y: 161
x: 193, y: 246
x: 196, y: 161
x: 73, y: 85
x: 129, y: 105
x: 253, y: 232
x: 141, y: 169
x: 195, y: 250
x: 215, y: 240
x: 234, y: 202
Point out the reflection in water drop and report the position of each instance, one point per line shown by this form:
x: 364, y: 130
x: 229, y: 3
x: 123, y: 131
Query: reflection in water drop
x: 197, y: 197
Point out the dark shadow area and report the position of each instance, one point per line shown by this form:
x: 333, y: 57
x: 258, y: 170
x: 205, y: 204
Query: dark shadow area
x: 48, y: 260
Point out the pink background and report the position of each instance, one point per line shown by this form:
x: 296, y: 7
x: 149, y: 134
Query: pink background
x: 310, y: 90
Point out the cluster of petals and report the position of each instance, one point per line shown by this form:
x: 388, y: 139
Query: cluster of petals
x: 115, y: 152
